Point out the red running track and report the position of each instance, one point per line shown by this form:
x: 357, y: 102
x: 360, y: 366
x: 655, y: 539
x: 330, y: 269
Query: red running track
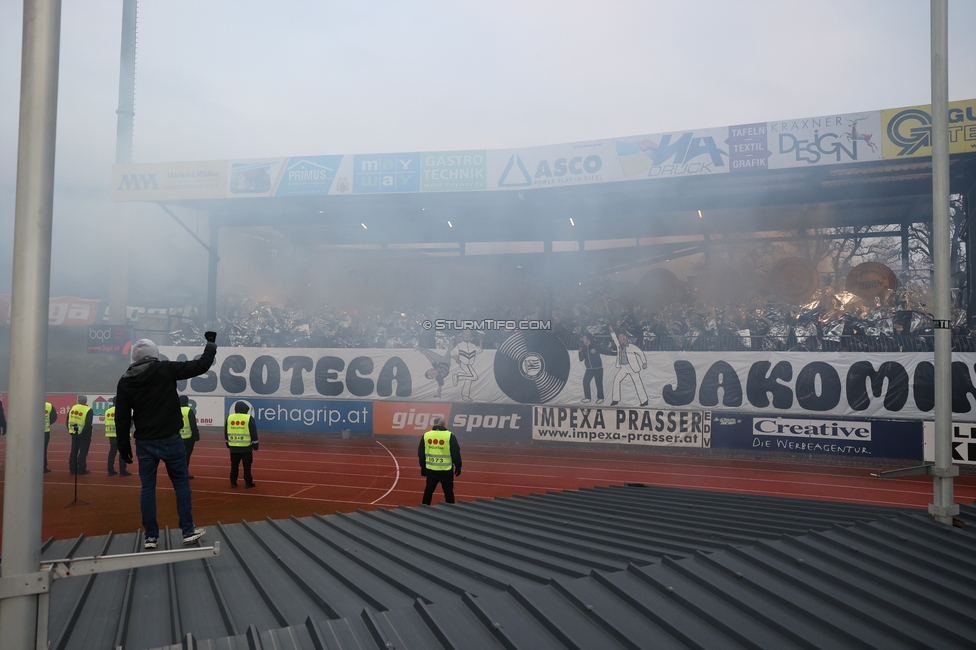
x: 302, y: 475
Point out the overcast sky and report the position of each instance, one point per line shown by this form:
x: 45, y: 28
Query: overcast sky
x: 239, y: 78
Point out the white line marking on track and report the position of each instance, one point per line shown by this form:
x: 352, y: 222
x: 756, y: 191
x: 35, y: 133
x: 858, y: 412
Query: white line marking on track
x: 396, y: 480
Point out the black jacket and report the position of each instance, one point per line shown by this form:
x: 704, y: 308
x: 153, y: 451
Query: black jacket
x: 455, y: 453
x: 147, y: 395
x: 194, y: 429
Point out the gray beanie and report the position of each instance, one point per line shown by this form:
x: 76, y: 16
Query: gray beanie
x: 144, y: 348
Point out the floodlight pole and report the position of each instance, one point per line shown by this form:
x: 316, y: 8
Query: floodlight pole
x: 943, y: 508
x: 119, y: 286
x: 24, y: 480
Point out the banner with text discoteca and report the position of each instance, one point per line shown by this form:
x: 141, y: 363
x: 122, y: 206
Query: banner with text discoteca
x: 535, y: 368
x: 836, y: 139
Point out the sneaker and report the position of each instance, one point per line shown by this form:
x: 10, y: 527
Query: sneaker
x: 600, y: 401
x: 190, y: 477
x: 233, y: 484
x: 125, y: 473
x: 586, y: 401
x: 644, y: 403
x: 614, y: 403
x: 112, y: 473
x: 150, y: 543
x: 194, y: 536
x: 248, y: 485
x: 83, y: 472
x: 46, y: 470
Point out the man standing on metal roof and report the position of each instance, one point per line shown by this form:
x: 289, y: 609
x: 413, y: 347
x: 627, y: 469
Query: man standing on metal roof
x: 147, y: 395
x: 440, y: 460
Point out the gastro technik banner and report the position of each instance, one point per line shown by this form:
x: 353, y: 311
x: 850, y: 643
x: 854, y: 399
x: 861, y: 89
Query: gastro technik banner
x: 837, y: 139
x: 535, y: 369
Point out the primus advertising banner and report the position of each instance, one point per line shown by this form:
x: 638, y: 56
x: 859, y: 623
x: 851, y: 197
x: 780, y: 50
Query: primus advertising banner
x: 622, y: 426
x: 825, y: 140
x: 908, y: 131
x: 536, y: 368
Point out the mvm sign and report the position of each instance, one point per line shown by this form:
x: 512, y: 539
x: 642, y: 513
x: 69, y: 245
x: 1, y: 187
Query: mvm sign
x: 130, y: 182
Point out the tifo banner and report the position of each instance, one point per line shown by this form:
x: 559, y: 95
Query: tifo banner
x: 963, y: 442
x: 66, y: 311
x: 306, y: 415
x: 828, y: 436
x: 908, y: 131
x: 535, y: 368
x: 622, y: 426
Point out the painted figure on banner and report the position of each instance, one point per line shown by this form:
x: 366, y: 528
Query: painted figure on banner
x: 589, y: 354
x: 630, y: 361
x: 464, y: 353
x: 853, y: 136
x: 440, y: 367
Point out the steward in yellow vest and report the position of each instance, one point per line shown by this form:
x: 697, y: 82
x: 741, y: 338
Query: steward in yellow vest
x: 189, y: 433
x: 440, y: 460
x: 241, y: 435
x: 80, y: 427
x: 50, y: 417
x: 113, y: 442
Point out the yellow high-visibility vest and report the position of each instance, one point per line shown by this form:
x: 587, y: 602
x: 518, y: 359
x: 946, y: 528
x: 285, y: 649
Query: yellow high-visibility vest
x: 437, y: 448
x: 239, y: 430
x: 185, y: 432
x: 76, y: 418
x: 47, y: 416
x: 110, y: 423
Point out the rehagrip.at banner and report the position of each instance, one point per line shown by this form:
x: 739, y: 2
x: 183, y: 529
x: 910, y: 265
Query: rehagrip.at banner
x: 534, y: 368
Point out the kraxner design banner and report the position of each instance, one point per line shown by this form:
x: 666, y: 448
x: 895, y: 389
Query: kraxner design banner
x: 535, y: 368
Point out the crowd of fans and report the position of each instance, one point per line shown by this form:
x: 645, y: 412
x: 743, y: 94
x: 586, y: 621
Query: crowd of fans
x: 832, y: 320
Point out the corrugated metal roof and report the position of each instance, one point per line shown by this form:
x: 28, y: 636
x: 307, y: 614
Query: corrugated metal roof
x: 606, y: 567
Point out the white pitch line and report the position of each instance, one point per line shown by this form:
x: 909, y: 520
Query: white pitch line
x: 396, y: 480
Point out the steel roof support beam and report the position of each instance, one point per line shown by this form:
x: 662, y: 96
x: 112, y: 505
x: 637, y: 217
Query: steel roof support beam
x: 943, y: 507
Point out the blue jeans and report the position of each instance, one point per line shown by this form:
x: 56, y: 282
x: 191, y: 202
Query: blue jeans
x: 169, y: 450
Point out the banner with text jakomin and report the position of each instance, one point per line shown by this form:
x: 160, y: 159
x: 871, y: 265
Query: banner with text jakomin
x: 534, y: 368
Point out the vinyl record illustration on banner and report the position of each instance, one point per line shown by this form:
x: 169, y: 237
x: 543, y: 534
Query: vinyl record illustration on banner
x: 871, y: 279
x: 794, y: 279
x: 532, y: 367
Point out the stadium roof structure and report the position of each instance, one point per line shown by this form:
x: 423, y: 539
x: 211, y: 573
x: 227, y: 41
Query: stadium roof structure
x: 852, y: 170
x: 620, y: 567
